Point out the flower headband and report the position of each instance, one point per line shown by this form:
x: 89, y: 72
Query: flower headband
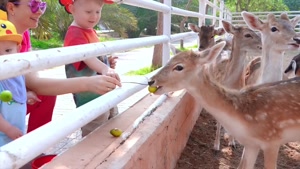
x: 67, y: 3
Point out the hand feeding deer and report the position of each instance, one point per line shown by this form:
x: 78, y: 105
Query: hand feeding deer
x: 230, y: 71
x: 278, y: 35
x: 261, y: 117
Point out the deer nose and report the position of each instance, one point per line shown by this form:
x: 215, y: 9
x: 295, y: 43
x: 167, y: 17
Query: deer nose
x: 151, y: 82
x: 297, y: 39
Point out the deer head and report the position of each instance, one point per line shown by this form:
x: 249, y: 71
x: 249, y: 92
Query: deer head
x: 183, y: 68
x: 206, y: 35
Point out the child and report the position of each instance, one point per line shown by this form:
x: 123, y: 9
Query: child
x: 86, y: 15
x: 12, y: 114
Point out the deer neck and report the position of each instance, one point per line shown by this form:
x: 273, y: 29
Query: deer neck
x: 271, y: 63
x: 235, y: 67
x: 217, y: 100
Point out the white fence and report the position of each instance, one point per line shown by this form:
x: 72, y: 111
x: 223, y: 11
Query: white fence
x: 237, y: 18
x: 21, y: 151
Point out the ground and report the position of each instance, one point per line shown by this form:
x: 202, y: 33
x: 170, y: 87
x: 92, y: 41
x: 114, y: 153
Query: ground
x: 199, y: 153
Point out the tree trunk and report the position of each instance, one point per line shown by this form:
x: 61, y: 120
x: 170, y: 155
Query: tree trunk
x: 183, y: 22
x: 157, y: 53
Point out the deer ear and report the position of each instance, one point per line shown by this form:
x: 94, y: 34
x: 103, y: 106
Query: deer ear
x: 252, y: 21
x: 210, y: 54
x: 228, y: 27
x: 194, y: 27
x: 295, y: 20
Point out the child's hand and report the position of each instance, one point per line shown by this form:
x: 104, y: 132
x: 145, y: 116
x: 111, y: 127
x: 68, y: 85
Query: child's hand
x: 111, y: 72
x: 112, y: 61
x: 32, y: 98
x: 13, y: 132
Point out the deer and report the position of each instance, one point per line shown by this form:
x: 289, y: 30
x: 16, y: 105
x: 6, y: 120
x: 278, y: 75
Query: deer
x: 230, y: 71
x: 294, y: 66
x: 260, y: 117
x: 244, y: 40
x: 207, y: 33
x: 278, y: 35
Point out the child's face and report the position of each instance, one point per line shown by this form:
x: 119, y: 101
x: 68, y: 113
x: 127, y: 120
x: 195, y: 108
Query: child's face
x: 86, y: 13
x: 8, y: 47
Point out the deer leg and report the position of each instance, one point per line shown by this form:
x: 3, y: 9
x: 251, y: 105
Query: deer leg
x: 217, y: 139
x: 270, y: 157
x: 249, y: 157
x: 231, y: 141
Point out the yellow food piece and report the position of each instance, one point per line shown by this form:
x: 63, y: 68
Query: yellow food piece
x: 116, y: 132
x: 152, y: 89
x: 6, y: 96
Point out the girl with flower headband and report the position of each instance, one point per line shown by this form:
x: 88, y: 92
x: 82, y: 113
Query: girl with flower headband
x: 25, y: 14
x: 86, y: 15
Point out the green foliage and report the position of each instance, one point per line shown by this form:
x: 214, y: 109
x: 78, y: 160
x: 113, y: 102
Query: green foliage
x: 256, y: 5
x: 146, y: 20
x: 293, y: 5
x: 53, y: 42
x: 121, y: 20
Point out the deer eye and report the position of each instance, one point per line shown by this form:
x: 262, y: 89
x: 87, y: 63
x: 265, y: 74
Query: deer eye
x: 178, y: 68
x: 273, y: 29
x: 248, y: 36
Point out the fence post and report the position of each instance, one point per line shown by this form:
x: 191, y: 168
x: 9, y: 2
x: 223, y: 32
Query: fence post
x: 166, y: 32
x: 215, y: 11
x: 221, y: 12
x: 202, y: 10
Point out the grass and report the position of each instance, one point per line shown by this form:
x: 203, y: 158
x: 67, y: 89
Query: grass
x: 53, y: 42
x: 142, y: 71
x: 188, y: 48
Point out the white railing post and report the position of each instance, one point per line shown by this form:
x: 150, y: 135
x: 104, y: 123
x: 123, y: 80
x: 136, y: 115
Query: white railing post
x: 202, y: 10
x: 166, y: 32
x: 215, y: 11
x: 221, y: 12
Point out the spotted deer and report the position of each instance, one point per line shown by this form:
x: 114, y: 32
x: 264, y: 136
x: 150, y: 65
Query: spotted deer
x: 261, y: 117
x: 230, y: 71
x: 278, y: 35
x: 293, y: 67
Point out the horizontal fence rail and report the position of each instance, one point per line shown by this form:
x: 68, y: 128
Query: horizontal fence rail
x: 237, y: 18
x: 24, y: 149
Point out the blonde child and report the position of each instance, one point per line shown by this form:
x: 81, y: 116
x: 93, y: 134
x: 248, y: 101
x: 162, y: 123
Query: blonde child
x: 86, y: 15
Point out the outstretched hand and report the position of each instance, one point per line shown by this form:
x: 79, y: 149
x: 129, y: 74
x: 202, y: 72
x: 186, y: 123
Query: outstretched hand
x: 102, y: 84
x: 112, y: 61
x: 13, y: 132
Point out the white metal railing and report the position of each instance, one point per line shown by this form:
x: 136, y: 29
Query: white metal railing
x: 237, y: 18
x: 24, y: 149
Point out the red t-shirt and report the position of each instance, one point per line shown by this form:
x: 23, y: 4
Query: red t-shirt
x: 78, y: 36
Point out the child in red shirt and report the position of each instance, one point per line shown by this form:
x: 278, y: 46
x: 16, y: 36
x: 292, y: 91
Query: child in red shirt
x: 86, y: 14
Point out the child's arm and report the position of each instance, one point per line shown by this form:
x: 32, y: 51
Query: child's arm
x: 11, y: 131
x: 98, y: 66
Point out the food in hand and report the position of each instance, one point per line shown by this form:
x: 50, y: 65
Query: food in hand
x: 116, y: 132
x: 152, y: 89
x: 6, y: 96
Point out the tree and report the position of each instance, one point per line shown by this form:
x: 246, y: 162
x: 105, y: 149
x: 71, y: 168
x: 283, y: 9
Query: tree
x: 256, y: 5
x: 293, y: 5
x: 157, y: 51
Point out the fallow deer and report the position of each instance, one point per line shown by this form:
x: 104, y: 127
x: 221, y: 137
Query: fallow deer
x: 261, y: 117
x: 294, y: 65
x: 278, y: 35
x: 230, y: 71
x: 207, y: 35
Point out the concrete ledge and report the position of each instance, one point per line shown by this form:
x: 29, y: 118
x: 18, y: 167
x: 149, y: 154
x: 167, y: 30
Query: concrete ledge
x: 156, y: 143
